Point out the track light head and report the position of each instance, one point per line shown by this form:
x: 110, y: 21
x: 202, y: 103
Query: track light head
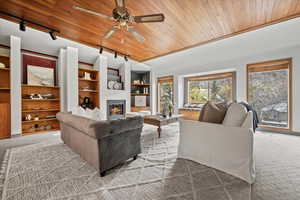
x: 101, y: 50
x: 116, y: 54
x: 22, y: 26
x: 126, y: 59
x: 52, y: 34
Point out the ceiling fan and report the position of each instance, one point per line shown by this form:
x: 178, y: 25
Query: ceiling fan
x: 124, y: 19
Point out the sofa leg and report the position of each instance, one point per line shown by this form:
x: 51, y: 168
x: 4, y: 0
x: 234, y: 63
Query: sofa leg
x: 102, y: 173
x: 135, y: 157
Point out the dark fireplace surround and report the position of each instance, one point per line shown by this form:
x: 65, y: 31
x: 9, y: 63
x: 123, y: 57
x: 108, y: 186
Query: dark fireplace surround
x: 116, y: 109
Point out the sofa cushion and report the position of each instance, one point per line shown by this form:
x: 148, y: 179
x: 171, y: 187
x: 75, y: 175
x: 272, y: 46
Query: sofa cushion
x: 235, y: 115
x: 213, y: 113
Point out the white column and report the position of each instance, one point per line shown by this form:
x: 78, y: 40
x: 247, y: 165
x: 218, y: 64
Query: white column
x: 62, y: 74
x: 102, y: 64
x: 176, y: 88
x: 125, y: 72
x: 241, y: 83
x: 153, y: 88
x: 71, y: 97
x: 15, y: 85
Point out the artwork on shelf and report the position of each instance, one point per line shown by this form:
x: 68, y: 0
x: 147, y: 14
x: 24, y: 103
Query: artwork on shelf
x: 2, y: 65
x: 140, y: 101
x: 37, y: 75
x: 87, y: 103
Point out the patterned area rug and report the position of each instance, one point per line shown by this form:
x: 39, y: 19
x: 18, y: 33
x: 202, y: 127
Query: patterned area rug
x: 51, y: 171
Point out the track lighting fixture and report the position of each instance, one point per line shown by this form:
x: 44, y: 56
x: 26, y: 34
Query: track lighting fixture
x: 116, y: 53
x: 22, y: 26
x: 52, y: 34
x: 24, y: 22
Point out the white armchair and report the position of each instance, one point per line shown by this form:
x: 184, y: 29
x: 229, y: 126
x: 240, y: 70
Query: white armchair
x: 229, y: 149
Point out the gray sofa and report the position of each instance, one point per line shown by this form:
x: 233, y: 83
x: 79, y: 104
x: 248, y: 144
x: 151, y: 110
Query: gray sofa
x: 103, y: 144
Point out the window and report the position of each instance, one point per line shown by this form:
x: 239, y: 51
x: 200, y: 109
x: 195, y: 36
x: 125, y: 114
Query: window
x: 269, y: 92
x: 165, y: 91
x: 215, y: 87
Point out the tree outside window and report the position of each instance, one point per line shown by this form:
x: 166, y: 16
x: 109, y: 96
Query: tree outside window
x: 215, y: 88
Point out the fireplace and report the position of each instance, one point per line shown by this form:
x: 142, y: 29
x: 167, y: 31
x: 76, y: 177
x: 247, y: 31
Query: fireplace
x: 116, y: 109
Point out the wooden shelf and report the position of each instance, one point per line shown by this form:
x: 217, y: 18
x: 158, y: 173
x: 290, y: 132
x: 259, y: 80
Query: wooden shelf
x: 144, y: 84
x: 133, y: 94
x: 40, y: 120
x: 46, y: 110
x: 87, y: 69
x: 5, y: 107
x: 40, y: 100
x: 38, y: 131
x: 140, y: 108
x: 3, y: 55
x: 91, y: 91
x: 40, y: 86
x: 82, y: 79
x: 92, y: 84
x: 39, y: 107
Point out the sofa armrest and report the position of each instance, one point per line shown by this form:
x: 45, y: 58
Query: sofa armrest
x: 200, y: 126
x: 103, y: 129
x: 82, y: 124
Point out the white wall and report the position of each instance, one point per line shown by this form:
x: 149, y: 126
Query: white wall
x: 240, y: 65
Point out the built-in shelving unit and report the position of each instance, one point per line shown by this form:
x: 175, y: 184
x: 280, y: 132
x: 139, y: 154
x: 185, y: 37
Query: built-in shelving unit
x: 42, y: 112
x: 140, y: 87
x: 88, y: 85
x: 5, y: 130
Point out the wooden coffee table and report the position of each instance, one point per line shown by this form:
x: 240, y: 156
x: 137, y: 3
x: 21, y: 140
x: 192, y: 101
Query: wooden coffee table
x: 159, y: 121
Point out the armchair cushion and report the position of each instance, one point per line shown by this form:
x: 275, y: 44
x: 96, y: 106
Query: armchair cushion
x: 235, y: 115
x: 213, y: 113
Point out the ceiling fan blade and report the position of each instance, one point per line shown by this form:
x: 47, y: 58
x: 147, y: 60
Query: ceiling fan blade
x: 110, y: 32
x: 149, y: 18
x: 93, y: 13
x: 120, y: 3
x: 136, y: 35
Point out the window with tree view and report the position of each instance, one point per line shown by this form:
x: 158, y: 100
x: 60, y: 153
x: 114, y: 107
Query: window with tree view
x: 216, y: 88
x: 165, y: 93
x: 268, y: 92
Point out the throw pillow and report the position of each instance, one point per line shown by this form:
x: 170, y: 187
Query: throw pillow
x: 78, y: 110
x: 97, y: 114
x: 213, y: 113
x: 235, y: 115
x: 202, y: 112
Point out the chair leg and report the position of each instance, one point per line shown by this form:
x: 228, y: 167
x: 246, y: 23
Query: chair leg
x: 135, y: 157
x: 102, y: 173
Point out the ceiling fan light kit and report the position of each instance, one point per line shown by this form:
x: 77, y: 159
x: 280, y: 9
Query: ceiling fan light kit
x: 123, y: 18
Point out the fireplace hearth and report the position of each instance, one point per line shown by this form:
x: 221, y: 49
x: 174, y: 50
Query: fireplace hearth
x: 116, y: 109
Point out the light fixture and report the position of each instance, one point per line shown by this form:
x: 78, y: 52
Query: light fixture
x: 116, y: 54
x: 126, y: 59
x: 101, y: 50
x: 22, y: 26
x: 52, y: 34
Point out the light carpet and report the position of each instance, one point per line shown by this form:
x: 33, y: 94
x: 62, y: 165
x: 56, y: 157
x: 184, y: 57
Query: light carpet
x: 52, y: 171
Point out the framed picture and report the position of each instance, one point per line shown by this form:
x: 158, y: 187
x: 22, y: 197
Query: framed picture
x: 37, y: 75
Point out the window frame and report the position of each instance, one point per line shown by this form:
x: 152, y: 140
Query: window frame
x: 212, y: 77
x: 163, y: 79
x: 286, y: 63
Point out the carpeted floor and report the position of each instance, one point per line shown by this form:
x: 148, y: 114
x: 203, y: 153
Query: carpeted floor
x: 50, y: 170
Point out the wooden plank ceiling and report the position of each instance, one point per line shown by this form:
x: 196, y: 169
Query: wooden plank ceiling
x: 188, y: 23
